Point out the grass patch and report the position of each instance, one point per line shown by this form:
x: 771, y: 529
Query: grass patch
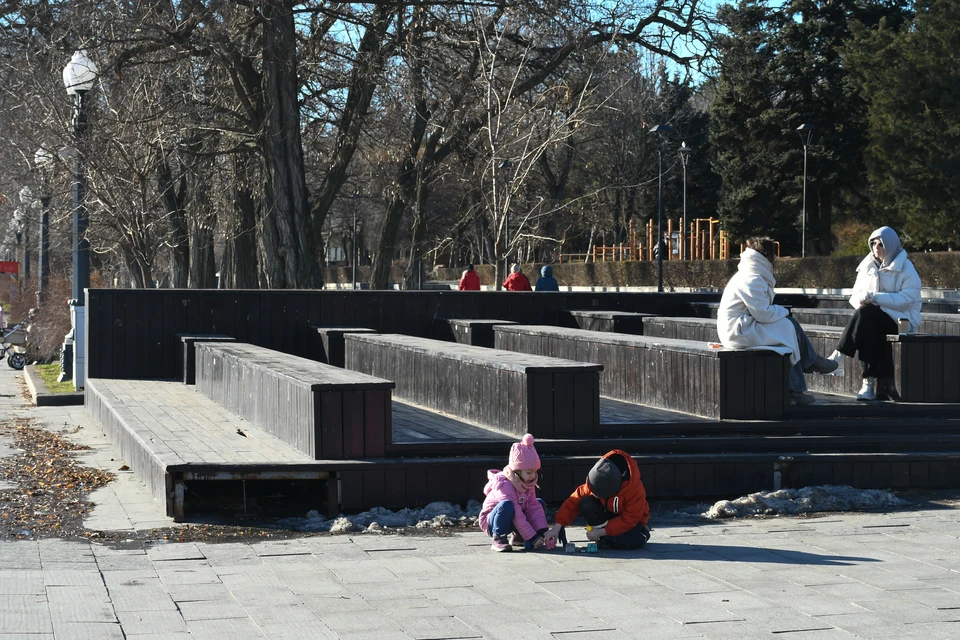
x: 50, y: 373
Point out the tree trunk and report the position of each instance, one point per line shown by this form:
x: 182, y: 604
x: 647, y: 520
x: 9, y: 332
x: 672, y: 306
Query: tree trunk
x: 173, y: 203
x: 203, y: 266
x: 239, y: 269
x: 287, y: 238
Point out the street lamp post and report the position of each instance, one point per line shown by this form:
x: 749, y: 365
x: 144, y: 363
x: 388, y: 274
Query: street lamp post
x: 661, y: 130
x: 356, y: 205
x: 41, y: 160
x: 806, y: 133
x: 504, y: 168
x: 79, y: 77
x: 684, y: 157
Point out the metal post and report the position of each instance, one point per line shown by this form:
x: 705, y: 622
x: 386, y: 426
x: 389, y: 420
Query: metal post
x: 683, y: 230
x: 803, y: 233
x: 354, y: 247
x: 81, y: 246
x: 659, y: 239
x: 44, y: 258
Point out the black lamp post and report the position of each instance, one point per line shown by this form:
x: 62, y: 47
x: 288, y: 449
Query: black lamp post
x: 79, y: 77
x: 662, y: 130
x: 684, y: 158
x: 504, y: 169
x: 356, y: 205
x: 806, y: 133
x: 41, y: 160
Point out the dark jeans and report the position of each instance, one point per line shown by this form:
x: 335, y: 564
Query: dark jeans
x: 808, y: 355
x: 500, y: 519
x: 595, y: 514
x: 866, y: 337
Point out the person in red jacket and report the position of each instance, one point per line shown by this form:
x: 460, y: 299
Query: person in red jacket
x: 612, y: 501
x: 516, y: 281
x: 469, y: 281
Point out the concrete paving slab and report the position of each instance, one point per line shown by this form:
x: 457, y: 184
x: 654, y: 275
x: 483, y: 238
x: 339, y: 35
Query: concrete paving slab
x: 152, y: 622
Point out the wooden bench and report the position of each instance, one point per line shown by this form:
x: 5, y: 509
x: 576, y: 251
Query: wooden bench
x: 186, y: 356
x: 681, y: 375
x: 926, y: 367
x: 474, y: 331
x: 512, y: 392
x: 324, y: 411
x: 332, y: 339
x: 610, y: 321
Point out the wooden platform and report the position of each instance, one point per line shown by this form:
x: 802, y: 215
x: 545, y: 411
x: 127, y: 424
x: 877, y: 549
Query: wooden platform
x: 173, y: 436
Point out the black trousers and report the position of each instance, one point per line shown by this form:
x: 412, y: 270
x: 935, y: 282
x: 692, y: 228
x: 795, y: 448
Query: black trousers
x: 866, y: 337
x: 595, y: 513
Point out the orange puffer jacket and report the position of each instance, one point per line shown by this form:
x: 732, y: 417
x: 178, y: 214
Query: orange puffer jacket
x: 630, y: 503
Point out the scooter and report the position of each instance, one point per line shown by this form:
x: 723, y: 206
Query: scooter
x: 12, y: 343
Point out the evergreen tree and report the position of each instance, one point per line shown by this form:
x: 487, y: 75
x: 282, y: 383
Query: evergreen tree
x: 750, y: 148
x: 911, y: 78
x: 782, y: 67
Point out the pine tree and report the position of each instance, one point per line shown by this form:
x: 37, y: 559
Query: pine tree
x: 911, y: 78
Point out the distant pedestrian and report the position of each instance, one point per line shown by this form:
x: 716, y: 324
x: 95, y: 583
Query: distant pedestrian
x: 547, y: 282
x: 511, y: 507
x: 469, y: 281
x: 516, y: 281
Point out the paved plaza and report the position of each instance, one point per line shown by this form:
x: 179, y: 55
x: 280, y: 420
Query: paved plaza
x: 874, y: 575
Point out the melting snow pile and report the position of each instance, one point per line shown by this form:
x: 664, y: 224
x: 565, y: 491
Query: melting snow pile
x: 435, y: 515
x: 806, y: 500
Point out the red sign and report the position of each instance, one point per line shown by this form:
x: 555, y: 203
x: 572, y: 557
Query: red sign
x: 9, y: 267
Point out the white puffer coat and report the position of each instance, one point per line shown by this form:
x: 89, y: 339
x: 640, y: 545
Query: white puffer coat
x: 895, y: 285
x: 747, y: 316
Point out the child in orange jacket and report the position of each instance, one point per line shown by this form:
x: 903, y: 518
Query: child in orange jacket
x: 612, y: 501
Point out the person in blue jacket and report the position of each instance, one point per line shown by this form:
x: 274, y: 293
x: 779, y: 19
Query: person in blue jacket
x: 546, y: 281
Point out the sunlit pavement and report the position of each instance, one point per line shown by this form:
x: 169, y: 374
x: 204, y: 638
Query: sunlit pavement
x: 874, y: 575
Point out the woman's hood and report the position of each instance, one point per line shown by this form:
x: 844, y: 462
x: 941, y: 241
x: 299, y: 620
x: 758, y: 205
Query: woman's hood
x: 754, y: 262
x: 891, y: 244
x: 547, y: 272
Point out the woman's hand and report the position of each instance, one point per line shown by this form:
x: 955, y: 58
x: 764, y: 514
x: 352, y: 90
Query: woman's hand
x: 867, y: 298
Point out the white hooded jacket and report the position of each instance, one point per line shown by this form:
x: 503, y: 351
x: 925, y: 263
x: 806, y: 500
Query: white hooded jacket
x: 894, y: 285
x: 747, y: 316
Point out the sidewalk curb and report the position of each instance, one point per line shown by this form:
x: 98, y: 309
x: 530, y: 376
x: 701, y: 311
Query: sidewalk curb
x: 41, y: 394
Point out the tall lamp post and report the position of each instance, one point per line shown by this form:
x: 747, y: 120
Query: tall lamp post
x: 684, y: 158
x: 356, y: 205
x: 79, y: 77
x: 662, y: 130
x: 806, y: 133
x: 505, y: 168
x: 41, y: 160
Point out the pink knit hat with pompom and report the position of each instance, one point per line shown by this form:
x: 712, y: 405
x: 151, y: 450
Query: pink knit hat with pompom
x: 523, y: 455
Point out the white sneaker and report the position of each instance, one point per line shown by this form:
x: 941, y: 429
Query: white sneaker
x: 837, y: 357
x: 869, y: 389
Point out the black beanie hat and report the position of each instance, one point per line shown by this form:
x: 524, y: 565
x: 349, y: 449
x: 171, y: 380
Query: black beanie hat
x: 604, y: 479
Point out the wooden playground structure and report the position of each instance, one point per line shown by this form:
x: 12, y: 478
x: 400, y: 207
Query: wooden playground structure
x: 702, y: 240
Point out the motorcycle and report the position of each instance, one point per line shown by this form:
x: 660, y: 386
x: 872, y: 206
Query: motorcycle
x: 13, y: 341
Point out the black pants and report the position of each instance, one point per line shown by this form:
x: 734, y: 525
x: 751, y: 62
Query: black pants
x: 595, y: 514
x: 866, y: 337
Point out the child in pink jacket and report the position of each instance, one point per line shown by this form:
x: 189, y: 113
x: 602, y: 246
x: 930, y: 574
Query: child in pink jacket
x: 511, y: 505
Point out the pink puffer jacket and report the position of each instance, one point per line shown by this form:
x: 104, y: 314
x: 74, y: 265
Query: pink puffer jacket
x: 528, y: 515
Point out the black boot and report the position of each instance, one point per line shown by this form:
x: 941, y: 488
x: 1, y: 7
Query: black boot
x: 887, y: 389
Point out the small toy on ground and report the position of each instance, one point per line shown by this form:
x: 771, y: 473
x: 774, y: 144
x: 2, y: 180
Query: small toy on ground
x: 571, y: 547
x: 591, y: 547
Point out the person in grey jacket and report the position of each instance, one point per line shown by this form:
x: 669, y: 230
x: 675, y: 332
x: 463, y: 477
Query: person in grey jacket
x: 887, y: 289
x: 546, y: 281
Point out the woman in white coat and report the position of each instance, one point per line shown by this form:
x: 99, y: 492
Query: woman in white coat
x: 887, y: 289
x: 748, y: 318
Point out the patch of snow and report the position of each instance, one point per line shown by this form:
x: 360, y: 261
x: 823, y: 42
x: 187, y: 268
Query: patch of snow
x: 806, y: 500
x: 436, y: 515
